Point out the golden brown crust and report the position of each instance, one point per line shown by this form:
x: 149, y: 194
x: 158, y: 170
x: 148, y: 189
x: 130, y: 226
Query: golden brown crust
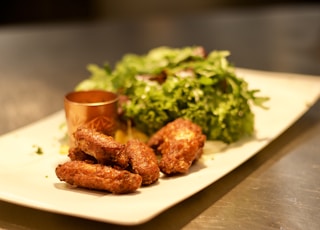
x: 180, y: 143
x: 100, y: 162
x: 143, y: 161
x: 75, y: 154
x: 98, y: 177
x: 102, y: 147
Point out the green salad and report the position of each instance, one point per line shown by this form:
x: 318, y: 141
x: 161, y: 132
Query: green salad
x: 167, y: 83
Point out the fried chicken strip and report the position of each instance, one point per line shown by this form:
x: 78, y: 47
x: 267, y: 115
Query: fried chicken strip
x: 180, y: 143
x: 102, y: 147
x: 143, y: 161
x: 98, y: 177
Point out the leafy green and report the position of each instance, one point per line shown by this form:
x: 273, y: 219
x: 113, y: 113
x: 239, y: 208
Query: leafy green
x: 168, y: 83
x: 101, y: 78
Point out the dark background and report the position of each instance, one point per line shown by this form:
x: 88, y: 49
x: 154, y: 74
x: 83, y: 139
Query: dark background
x: 44, y: 11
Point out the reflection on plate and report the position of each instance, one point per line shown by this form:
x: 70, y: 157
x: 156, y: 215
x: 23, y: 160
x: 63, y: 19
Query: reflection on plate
x: 28, y: 178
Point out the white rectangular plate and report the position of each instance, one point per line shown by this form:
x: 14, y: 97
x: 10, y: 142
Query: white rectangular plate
x: 29, y: 179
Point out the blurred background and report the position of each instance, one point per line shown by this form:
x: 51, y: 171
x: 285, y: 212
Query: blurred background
x: 44, y: 11
x: 46, y: 45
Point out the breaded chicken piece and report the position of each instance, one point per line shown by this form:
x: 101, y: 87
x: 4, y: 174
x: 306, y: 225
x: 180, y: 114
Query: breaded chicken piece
x: 98, y: 177
x: 102, y: 147
x: 75, y: 154
x: 143, y: 161
x: 180, y: 143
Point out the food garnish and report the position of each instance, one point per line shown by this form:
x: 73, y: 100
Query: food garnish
x: 38, y: 149
x: 168, y: 83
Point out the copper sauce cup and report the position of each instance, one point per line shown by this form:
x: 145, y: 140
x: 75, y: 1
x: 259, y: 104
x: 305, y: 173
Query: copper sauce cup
x: 96, y: 109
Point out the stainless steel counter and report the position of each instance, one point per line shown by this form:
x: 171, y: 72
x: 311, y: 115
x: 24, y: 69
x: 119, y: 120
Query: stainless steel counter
x: 279, y: 188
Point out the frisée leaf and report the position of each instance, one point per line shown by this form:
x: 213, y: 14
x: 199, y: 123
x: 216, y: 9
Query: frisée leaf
x: 168, y: 83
